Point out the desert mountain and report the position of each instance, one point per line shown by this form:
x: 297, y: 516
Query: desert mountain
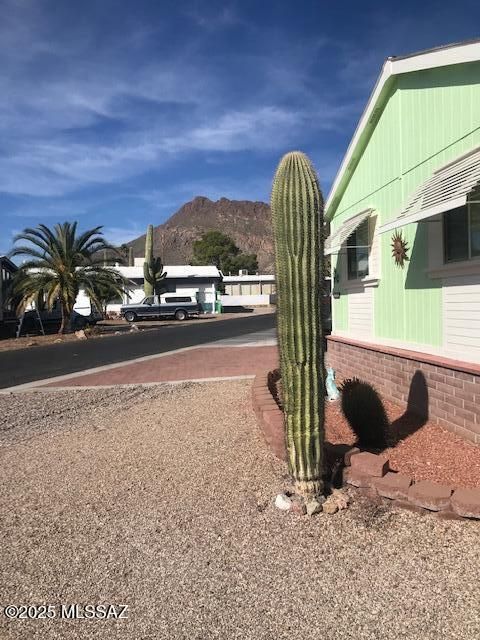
x: 248, y: 223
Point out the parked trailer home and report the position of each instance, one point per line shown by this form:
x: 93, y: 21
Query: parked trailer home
x: 248, y: 290
x: 411, y: 178
x: 186, y: 280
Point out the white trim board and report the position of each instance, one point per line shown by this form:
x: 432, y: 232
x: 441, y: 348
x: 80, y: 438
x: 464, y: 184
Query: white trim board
x: 426, y: 349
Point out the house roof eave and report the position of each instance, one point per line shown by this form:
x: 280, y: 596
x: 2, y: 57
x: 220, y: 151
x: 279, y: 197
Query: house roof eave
x: 432, y: 58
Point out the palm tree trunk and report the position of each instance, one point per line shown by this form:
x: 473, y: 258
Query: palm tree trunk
x: 65, y: 318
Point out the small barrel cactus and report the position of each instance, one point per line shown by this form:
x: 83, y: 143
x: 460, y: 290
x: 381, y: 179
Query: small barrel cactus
x: 297, y: 214
x: 152, y: 267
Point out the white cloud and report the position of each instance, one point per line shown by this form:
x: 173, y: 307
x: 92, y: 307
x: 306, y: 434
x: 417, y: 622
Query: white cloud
x: 69, y: 113
x: 121, y: 235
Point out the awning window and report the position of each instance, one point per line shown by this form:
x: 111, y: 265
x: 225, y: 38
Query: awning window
x: 448, y: 188
x: 334, y: 242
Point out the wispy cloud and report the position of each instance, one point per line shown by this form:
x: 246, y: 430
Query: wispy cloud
x: 72, y: 114
x: 119, y: 112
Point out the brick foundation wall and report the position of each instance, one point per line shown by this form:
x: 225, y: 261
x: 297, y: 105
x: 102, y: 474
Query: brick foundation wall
x: 446, y: 391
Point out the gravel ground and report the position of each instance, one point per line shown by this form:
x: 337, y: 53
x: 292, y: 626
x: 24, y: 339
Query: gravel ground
x: 421, y: 451
x: 161, y: 499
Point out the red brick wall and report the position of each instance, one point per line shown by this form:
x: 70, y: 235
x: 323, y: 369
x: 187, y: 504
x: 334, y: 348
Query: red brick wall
x: 449, y: 390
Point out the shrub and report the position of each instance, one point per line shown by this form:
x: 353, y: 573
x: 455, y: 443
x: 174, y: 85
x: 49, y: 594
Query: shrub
x: 365, y: 413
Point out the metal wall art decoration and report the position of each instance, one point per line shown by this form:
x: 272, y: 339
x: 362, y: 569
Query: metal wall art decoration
x: 399, y: 249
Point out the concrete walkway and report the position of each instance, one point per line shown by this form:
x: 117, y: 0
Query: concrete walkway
x: 208, y: 363
x: 232, y: 358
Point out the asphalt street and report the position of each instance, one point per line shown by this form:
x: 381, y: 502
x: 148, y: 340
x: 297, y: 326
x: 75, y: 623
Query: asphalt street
x: 27, y: 365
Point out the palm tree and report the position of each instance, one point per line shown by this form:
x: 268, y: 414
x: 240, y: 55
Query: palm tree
x: 61, y: 263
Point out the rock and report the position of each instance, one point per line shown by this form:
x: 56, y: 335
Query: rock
x: 341, y: 498
x: 393, y: 485
x: 81, y: 335
x: 357, y: 479
x: 348, y: 455
x: 466, y: 502
x: 133, y: 327
x: 330, y: 506
x: 283, y: 502
x: 369, y: 464
x: 430, y: 495
x: 314, y: 506
x: 32, y: 343
x: 298, y: 505
x: 58, y: 340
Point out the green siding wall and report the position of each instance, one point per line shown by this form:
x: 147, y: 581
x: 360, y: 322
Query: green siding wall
x: 429, y: 118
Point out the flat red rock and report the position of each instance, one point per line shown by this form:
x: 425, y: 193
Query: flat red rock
x: 393, y: 485
x: 430, y: 495
x: 369, y: 463
x: 357, y: 478
x: 466, y: 502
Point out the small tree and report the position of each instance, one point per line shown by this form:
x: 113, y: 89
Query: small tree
x: 61, y: 263
x: 214, y: 247
x: 104, y: 291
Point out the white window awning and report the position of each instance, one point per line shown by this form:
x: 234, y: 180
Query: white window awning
x: 334, y: 242
x: 448, y: 188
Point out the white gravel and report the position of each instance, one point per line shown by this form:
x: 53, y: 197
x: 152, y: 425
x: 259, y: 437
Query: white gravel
x: 162, y: 499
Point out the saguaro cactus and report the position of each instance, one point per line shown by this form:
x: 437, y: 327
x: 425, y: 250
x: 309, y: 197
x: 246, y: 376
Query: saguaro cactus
x: 152, y: 267
x: 297, y: 214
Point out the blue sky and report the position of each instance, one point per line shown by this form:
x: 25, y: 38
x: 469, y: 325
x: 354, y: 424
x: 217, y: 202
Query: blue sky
x: 117, y: 112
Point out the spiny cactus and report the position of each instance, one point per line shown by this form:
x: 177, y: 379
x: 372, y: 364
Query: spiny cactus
x: 152, y: 267
x: 297, y: 214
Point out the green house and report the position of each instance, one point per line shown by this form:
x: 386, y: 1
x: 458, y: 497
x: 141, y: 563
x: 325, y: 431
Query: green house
x: 404, y: 213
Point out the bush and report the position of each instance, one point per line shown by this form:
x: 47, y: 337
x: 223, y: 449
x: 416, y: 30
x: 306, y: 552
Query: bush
x: 364, y: 410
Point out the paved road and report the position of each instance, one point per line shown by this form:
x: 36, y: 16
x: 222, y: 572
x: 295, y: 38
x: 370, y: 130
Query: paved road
x: 27, y: 365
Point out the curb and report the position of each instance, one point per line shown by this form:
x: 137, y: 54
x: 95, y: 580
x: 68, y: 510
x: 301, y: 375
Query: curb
x: 269, y: 415
x: 365, y: 470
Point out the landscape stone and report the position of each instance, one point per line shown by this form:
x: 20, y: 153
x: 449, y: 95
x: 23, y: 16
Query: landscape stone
x: 369, y: 463
x: 348, y: 455
x: 330, y: 506
x: 430, y: 495
x: 341, y: 498
x: 298, y: 505
x: 283, y: 502
x: 356, y: 478
x: 393, y: 485
x: 466, y: 502
x: 314, y: 507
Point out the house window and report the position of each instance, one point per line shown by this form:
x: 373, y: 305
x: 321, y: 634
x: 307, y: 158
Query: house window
x: 178, y: 299
x: 357, y: 252
x: 461, y: 232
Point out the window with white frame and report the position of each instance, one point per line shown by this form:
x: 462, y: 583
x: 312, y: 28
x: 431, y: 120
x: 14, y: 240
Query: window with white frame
x: 357, y: 252
x: 461, y: 232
